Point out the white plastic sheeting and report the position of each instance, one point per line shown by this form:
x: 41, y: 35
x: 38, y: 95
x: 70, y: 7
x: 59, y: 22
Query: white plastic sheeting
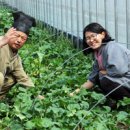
x: 71, y: 16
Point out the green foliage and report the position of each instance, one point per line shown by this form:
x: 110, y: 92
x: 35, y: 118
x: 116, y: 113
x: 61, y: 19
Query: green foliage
x: 45, y: 59
x: 5, y: 20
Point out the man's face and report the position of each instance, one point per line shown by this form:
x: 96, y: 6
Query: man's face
x: 18, y: 41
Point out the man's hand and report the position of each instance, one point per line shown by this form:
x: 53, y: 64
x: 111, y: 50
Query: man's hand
x: 40, y: 97
x: 9, y: 35
x: 1, y: 80
x: 71, y: 94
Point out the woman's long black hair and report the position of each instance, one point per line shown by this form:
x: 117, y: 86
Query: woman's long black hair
x: 95, y: 28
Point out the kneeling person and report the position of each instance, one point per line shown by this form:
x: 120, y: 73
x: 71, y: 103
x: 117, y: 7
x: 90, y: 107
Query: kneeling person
x: 11, y: 69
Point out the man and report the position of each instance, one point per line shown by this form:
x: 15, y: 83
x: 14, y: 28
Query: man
x: 11, y: 69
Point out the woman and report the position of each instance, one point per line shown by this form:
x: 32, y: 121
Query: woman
x: 112, y: 63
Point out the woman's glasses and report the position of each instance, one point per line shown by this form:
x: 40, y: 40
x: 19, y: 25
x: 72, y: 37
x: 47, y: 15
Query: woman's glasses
x: 91, y: 37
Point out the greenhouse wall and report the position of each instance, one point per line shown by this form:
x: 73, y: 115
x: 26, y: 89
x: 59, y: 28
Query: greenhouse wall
x: 71, y: 16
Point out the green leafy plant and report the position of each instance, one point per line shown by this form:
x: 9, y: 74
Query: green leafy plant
x: 45, y: 59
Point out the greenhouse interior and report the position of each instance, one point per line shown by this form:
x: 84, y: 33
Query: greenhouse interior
x: 65, y: 65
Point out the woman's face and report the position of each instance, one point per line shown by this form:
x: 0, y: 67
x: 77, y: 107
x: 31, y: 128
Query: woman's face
x: 94, y: 40
x: 18, y: 41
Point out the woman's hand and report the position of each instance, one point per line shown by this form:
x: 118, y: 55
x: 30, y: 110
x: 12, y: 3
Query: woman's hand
x: 86, y: 85
x: 75, y: 92
x: 104, y: 72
